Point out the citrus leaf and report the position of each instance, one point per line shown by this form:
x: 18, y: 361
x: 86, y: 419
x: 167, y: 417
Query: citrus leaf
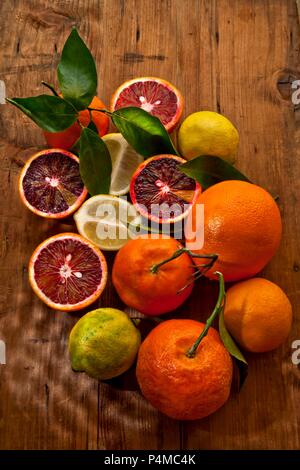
x: 93, y: 127
x: 209, y: 170
x: 76, y: 147
x: 243, y: 372
x: 51, y: 113
x: 76, y: 71
x: 95, y: 163
x: 144, y: 132
x: 50, y: 87
x: 233, y: 350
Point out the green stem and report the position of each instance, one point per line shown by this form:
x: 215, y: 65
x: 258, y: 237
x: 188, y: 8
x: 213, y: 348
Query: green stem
x: 79, y: 123
x: 51, y: 88
x: 178, y: 253
x: 217, y: 310
x: 105, y: 111
x: 155, y: 267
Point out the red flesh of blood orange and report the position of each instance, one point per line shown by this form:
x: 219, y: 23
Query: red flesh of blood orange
x: 158, y: 185
x: 67, y: 272
x: 50, y: 184
x: 156, y: 96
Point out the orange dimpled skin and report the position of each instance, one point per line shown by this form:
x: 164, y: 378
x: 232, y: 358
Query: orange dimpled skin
x: 152, y: 293
x: 181, y: 387
x: 242, y: 225
x: 258, y: 314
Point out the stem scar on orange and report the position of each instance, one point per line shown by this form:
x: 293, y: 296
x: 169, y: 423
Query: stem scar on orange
x: 242, y: 224
x: 145, y: 284
x: 67, y: 138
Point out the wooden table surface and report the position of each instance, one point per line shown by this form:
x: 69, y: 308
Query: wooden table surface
x: 237, y: 57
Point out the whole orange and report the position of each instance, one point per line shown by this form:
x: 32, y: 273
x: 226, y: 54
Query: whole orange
x: 242, y: 225
x: 258, y: 314
x: 151, y: 291
x: 181, y: 387
x: 67, y: 138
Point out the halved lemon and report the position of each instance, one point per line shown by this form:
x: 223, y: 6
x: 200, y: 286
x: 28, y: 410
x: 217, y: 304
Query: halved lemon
x: 125, y: 161
x: 107, y: 221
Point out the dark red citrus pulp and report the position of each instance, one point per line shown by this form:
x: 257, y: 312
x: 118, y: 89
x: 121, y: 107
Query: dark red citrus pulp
x: 67, y: 272
x: 160, y: 191
x: 50, y: 184
x: 156, y: 96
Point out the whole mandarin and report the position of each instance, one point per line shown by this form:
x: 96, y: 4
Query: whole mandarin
x: 181, y: 387
x: 152, y: 292
x: 258, y: 314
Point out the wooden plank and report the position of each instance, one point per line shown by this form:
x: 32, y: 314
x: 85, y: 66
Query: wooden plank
x: 254, y: 47
x: 43, y: 403
x: 228, y: 56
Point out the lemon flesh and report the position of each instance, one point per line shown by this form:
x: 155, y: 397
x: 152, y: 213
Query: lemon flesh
x: 208, y: 133
x: 104, y: 343
x: 107, y: 221
x: 124, y: 160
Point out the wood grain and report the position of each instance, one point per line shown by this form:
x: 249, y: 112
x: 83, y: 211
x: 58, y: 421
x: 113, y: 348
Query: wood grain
x: 234, y: 56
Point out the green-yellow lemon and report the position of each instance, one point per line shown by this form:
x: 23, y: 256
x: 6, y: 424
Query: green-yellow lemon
x: 208, y: 133
x: 104, y: 343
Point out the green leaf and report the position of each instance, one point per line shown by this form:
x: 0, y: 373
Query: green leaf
x: 77, y: 75
x: 50, y: 87
x: 95, y: 163
x: 76, y: 147
x: 209, y: 170
x: 93, y: 127
x: 144, y: 132
x: 51, y: 113
x: 233, y: 350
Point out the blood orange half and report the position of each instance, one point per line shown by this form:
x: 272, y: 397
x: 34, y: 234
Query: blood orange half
x: 50, y: 184
x: 155, y: 95
x: 161, y: 192
x: 67, y: 272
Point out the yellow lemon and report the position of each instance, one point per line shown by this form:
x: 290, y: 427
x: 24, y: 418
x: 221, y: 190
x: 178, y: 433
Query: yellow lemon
x: 124, y: 160
x: 208, y: 133
x: 107, y: 221
x: 104, y: 343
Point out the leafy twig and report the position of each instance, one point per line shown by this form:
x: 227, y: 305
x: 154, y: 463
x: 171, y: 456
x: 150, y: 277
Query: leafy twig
x: 217, y: 310
x: 51, y: 88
